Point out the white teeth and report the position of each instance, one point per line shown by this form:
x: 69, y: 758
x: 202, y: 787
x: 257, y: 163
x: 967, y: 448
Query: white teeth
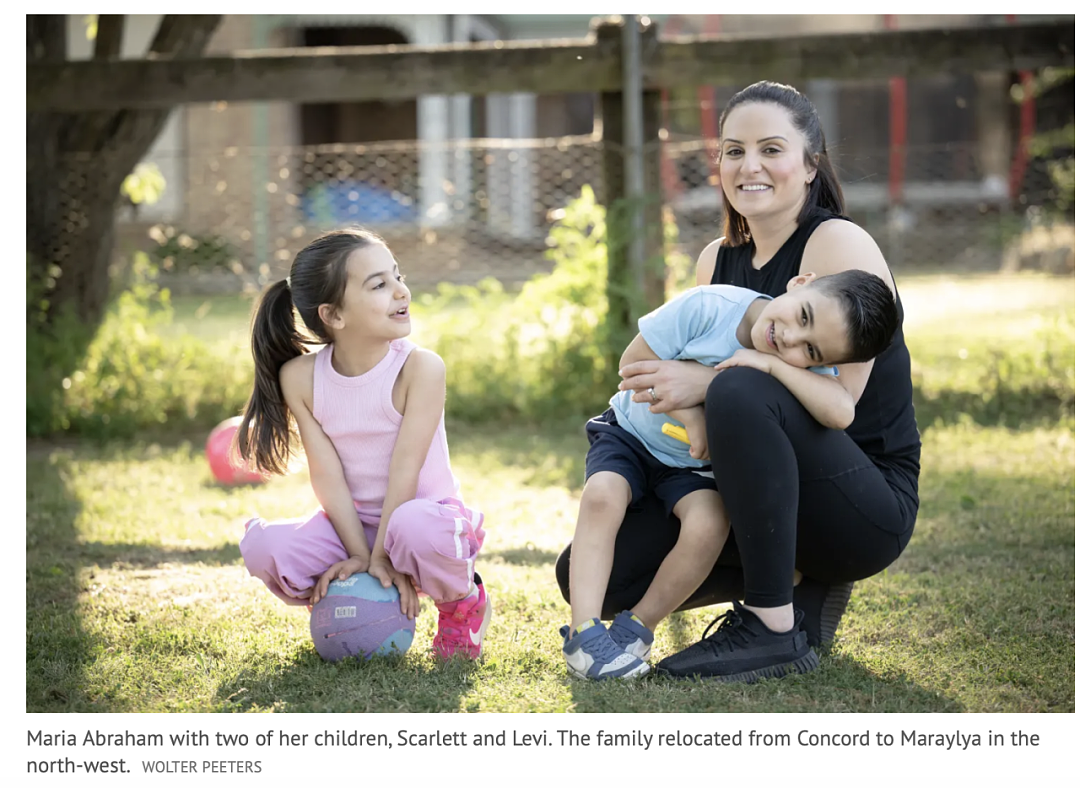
x: 754, y: 188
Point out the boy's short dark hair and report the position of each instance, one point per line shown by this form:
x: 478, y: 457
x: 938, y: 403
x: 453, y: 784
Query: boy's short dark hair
x: 869, y: 308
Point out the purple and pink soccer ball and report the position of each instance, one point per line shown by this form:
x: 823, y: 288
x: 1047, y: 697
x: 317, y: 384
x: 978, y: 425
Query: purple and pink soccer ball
x: 360, y: 618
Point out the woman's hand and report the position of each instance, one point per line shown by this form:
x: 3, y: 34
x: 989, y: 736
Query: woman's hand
x: 754, y: 359
x: 381, y: 570
x: 339, y: 571
x: 673, y: 384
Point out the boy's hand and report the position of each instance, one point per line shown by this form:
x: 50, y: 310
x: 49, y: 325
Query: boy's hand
x: 339, y: 571
x: 694, y: 420
x: 746, y: 357
x: 381, y: 570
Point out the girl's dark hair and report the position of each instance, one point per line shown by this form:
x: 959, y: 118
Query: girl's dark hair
x: 318, y: 276
x: 823, y: 191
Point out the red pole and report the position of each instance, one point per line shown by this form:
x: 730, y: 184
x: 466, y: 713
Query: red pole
x: 1027, y: 129
x: 897, y: 128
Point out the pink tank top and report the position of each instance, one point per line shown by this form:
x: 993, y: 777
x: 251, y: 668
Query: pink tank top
x: 358, y: 415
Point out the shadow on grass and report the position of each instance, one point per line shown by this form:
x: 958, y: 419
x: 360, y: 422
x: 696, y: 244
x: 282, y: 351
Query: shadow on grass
x: 147, y: 556
x: 57, y: 646
x: 59, y: 649
x: 522, y: 556
x: 308, y: 684
x: 839, y: 685
x: 1022, y: 407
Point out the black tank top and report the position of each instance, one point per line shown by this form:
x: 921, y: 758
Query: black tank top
x: 884, y: 425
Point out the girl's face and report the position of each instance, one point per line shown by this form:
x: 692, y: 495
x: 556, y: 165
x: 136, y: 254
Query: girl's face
x: 376, y: 301
x: 762, y: 163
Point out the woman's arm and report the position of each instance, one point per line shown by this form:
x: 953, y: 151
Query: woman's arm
x: 837, y: 246
x: 327, y: 475
x: 678, y: 384
x: 706, y: 262
x: 693, y: 416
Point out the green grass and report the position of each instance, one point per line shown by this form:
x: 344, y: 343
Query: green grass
x: 137, y: 599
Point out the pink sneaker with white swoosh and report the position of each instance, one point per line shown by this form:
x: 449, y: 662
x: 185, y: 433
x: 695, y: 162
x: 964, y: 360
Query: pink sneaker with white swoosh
x: 462, y: 626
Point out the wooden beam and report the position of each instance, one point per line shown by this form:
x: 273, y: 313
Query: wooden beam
x: 326, y: 74
x: 877, y: 55
x: 559, y: 66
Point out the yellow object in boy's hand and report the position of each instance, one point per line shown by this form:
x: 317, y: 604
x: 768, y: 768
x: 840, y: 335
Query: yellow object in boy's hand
x: 675, y: 431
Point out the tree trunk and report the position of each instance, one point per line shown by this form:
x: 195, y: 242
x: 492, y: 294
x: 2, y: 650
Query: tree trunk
x: 75, y: 165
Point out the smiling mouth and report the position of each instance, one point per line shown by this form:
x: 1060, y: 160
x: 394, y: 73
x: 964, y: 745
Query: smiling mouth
x: 403, y: 312
x: 770, y: 335
x: 755, y: 187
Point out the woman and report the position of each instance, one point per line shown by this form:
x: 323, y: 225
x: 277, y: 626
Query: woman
x: 835, y: 505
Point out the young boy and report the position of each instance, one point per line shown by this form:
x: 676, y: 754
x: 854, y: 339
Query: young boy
x: 819, y: 322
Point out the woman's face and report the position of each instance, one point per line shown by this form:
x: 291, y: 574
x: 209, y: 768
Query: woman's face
x: 762, y: 162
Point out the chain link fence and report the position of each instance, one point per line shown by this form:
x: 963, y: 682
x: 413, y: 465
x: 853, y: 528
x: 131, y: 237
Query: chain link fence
x: 460, y: 210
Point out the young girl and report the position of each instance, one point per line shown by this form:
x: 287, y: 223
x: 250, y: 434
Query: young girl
x: 369, y: 410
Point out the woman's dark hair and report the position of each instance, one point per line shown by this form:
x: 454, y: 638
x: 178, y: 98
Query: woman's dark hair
x: 317, y: 277
x: 824, y: 190
x: 869, y: 309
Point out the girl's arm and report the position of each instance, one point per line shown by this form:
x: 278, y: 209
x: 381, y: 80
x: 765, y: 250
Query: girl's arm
x: 424, y: 384
x: 327, y: 475
x: 826, y: 398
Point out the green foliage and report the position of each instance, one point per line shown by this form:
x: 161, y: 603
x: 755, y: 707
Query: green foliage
x: 54, y: 345
x: 1057, y: 146
x: 542, y: 353
x: 145, y: 185
x: 188, y: 252
x: 128, y: 377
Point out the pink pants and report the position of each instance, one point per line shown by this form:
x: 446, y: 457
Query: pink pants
x: 434, y: 542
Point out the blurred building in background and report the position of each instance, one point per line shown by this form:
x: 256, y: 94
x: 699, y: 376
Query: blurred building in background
x: 468, y: 186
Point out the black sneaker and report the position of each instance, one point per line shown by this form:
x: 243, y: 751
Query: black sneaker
x: 742, y: 649
x: 824, y: 605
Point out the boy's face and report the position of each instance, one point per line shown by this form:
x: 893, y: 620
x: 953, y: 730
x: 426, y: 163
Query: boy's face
x: 804, y: 326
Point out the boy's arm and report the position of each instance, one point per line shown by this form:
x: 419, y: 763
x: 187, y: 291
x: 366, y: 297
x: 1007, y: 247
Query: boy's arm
x: 694, y: 419
x: 637, y: 350
x: 823, y: 396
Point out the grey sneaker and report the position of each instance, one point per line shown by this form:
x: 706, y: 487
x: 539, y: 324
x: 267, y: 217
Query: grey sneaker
x: 631, y: 635
x: 591, y: 654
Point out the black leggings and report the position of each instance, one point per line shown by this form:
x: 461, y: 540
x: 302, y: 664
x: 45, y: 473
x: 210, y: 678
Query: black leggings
x: 798, y: 494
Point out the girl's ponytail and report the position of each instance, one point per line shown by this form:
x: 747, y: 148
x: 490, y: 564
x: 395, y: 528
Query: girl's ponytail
x: 318, y: 276
x: 264, y: 438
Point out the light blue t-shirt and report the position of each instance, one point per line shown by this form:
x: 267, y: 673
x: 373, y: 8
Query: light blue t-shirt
x: 698, y: 325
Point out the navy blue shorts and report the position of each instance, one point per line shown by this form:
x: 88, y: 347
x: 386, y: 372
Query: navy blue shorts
x: 611, y: 448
